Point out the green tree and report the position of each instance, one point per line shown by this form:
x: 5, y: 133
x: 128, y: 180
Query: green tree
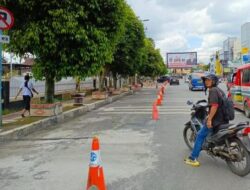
x: 153, y: 64
x: 128, y: 55
x: 68, y: 38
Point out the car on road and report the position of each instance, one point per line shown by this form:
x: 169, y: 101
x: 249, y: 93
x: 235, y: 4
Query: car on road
x: 163, y: 79
x: 174, y: 80
x: 195, y: 82
x: 240, y: 89
x: 187, y: 78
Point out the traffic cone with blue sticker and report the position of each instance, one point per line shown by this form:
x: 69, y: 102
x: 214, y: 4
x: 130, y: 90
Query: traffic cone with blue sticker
x: 96, y: 175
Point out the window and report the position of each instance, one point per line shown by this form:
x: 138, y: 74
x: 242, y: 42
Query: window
x: 234, y: 78
x: 246, y: 76
x: 196, y: 76
x: 229, y: 78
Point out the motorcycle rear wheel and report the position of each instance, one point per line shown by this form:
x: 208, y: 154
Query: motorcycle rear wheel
x: 189, y: 136
x: 243, y: 156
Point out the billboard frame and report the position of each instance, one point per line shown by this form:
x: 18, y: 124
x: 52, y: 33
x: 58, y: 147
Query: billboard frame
x: 186, y: 67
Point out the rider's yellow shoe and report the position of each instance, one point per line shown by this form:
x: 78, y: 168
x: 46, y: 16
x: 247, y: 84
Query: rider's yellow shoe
x: 192, y: 162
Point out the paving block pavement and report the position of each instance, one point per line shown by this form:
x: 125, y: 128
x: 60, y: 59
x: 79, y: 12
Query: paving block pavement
x: 21, y: 131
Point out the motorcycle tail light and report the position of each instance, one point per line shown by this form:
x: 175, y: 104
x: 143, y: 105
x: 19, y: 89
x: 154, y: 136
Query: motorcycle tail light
x: 246, y: 131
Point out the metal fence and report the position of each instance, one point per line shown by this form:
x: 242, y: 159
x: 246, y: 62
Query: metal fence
x: 65, y: 85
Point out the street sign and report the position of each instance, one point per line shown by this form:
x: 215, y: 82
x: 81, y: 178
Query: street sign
x: 4, y: 39
x: 246, y: 58
x: 6, y: 19
x: 6, y: 22
x: 244, y: 50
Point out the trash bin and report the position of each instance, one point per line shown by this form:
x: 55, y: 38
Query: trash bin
x: 78, y: 99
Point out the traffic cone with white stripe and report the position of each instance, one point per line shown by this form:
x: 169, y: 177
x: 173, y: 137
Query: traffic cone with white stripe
x: 96, y: 175
x: 158, y: 101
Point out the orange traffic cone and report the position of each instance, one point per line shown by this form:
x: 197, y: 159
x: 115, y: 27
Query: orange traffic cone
x: 155, y: 115
x: 165, y: 83
x: 163, y: 89
x: 96, y: 175
x: 158, y: 101
x: 160, y: 94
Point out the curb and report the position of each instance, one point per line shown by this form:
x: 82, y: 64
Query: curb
x: 52, y: 121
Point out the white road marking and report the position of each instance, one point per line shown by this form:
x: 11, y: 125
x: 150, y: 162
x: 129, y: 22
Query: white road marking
x: 147, y: 110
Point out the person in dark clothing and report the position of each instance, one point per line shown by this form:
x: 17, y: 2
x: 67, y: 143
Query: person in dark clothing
x: 27, y: 88
x: 214, y: 119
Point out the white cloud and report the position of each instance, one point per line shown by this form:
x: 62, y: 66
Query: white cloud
x: 174, y: 23
x: 172, y: 43
x: 212, y: 40
x: 211, y: 43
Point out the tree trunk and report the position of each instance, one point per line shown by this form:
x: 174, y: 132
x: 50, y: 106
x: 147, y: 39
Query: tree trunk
x: 130, y: 80
x: 101, y: 81
x: 94, y: 83
x: 135, y: 79
x: 120, y: 82
x: 78, y: 84
x: 49, y: 88
x: 110, y: 82
x: 114, y: 80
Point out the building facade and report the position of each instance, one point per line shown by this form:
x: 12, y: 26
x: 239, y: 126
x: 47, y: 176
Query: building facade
x: 237, y: 50
x: 245, y: 35
x: 230, y: 48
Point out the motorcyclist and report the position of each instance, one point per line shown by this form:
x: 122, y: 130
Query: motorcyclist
x: 214, y: 119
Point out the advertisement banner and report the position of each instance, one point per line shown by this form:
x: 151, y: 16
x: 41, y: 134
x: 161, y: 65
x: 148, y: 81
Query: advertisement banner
x: 181, y: 59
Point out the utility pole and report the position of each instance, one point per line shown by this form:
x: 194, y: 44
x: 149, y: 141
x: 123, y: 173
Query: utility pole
x: 6, y: 22
x: 1, y: 71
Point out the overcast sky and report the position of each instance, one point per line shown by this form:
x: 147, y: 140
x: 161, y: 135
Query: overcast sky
x: 192, y: 25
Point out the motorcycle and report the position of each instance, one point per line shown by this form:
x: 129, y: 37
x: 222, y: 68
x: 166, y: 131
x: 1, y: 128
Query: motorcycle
x: 230, y: 142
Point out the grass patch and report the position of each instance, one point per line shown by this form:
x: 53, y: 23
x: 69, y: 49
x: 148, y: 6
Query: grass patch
x: 67, y: 108
x: 21, y: 122
x: 8, y: 111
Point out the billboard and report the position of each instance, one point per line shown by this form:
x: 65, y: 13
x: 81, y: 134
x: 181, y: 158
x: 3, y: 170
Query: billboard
x: 181, y: 59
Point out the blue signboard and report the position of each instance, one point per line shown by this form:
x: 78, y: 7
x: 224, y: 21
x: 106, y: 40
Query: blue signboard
x: 246, y: 58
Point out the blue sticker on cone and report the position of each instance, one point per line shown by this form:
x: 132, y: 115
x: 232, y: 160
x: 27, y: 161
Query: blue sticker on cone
x: 93, y: 157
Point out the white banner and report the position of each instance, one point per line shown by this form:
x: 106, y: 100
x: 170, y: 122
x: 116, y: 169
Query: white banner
x: 181, y: 59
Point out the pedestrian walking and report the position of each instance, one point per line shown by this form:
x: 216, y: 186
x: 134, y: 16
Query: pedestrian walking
x: 27, y: 88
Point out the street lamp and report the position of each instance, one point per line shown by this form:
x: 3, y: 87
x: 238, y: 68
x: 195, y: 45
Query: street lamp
x: 145, y: 20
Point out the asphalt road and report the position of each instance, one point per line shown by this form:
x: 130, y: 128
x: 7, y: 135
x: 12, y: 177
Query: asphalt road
x: 137, y: 153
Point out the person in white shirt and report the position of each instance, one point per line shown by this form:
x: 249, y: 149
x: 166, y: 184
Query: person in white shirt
x: 27, y: 88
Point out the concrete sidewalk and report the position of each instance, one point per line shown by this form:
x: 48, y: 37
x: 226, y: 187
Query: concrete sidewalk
x: 10, y: 118
x: 20, y: 129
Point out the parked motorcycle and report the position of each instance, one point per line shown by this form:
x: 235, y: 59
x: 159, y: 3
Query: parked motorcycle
x: 230, y: 142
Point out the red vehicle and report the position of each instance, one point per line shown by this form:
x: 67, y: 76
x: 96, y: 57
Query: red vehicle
x: 229, y: 81
x: 240, y: 89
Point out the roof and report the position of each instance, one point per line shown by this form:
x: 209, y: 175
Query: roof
x: 28, y: 61
x: 16, y: 65
x: 244, y: 66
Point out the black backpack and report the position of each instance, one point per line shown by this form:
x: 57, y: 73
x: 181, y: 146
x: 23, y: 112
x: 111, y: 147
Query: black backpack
x: 227, y: 105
